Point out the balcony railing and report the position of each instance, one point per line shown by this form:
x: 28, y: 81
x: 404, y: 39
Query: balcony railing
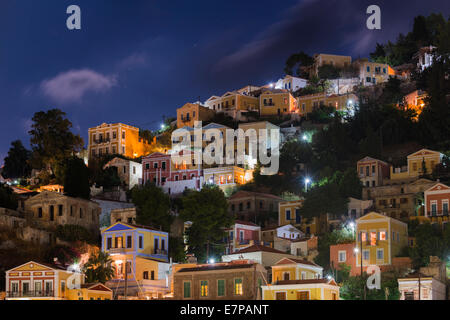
x: 160, y: 251
x: 117, y: 250
x: 438, y: 213
x: 30, y: 294
x: 105, y: 140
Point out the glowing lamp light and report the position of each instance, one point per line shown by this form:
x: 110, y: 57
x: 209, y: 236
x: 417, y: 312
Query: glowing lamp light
x: 329, y: 277
x: 307, y: 180
x: 212, y: 260
x: 305, y: 137
x: 356, y: 250
x: 352, y: 225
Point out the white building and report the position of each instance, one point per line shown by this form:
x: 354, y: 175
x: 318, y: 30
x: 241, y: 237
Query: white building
x: 291, y: 83
x: 430, y: 288
x: 130, y: 172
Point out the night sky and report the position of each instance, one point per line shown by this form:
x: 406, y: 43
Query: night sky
x: 137, y: 60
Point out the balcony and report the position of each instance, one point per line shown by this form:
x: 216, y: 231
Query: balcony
x: 30, y: 294
x: 115, y: 251
x: 98, y: 141
x: 160, y: 252
x: 438, y: 213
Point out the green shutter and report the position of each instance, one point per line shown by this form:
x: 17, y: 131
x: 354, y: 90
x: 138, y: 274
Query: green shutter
x: 221, y: 288
x: 187, y: 290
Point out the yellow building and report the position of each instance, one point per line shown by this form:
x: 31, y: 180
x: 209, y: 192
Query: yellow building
x: 371, y: 73
x: 415, y: 164
x: 41, y: 281
x: 227, y: 177
x: 294, y: 279
x: 330, y: 59
x: 117, y: 138
x: 381, y: 238
x: 289, y: 213
x: 233, y: 101
x: 139, y: 254
x: 276, y: 102
x: 191, y: 112
x: 343, y: 102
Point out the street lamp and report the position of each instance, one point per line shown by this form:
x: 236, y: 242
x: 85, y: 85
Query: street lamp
x: 212, y: 260
x: 307, y: 180
x: 305, y: 137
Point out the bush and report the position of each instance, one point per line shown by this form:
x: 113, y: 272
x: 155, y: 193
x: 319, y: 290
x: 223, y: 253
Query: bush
x: 73, y: 233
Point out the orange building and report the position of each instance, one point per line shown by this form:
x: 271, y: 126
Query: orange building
x: 117, y: 138
x: 191, y: 112
x: 437, y: 200
x: 415, y: 101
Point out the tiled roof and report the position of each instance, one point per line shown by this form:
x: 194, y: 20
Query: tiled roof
x: 217, y: 267
x: 308, y: 281
x: 247, y: 223
x: 283, y: 261
x: 257, y: 248
x: 243, y: 193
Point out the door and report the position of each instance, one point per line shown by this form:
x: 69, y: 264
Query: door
x: 26, y: 288
x: 303, y: 295
x: 38, y: 288
x: 280, y: 296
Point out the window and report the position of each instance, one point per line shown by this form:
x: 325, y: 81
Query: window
x: 155, y: 165
x: 380, y: 254
x: 129, y: 243
x: 288, y: 214
x: 145, y: 275
x: 81, y: 213
x: 152, y: 275
x: 366, y: 254
x: 203, y: 288
x: 141, y: 242
x: 382, y: 235
x: 60, y: 210
x: 186, y: 289
x: 238, y: 290
x: 373, y: 238
x: 156, y: 245
x: 368, y: 68
x: 220, y: 288
x: 342, y: 256
x: 39, y: 212
x: 123, y: 134
x: 108, y: 243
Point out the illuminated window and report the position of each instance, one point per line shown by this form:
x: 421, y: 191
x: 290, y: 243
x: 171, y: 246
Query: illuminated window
x: 382, y: 235
x: 373, y: 238
x: 238, y: 290
x: 222, y: 179
x: 363, y: 236
x: 204, y: 288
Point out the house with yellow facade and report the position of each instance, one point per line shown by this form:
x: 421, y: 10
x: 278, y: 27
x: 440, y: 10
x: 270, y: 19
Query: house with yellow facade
x: 234, y: 103
x: 418, y: 163
x: 191, y: 112
x: 289, y: 213
x: 371, y: 73
x: 295, y: 279
x: 344, y: 102
x: 42, y: 281
x: 321, y: 59
x: 117, y: 138
x: 140, y: 255
x: 276, y: 102
x: 379, y: 238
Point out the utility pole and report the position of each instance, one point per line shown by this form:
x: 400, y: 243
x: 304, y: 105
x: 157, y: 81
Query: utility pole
x: 419, y: 284
x: 126, y: 279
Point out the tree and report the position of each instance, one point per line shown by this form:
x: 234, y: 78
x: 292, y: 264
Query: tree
x: 152, y: 206
x: 176, y: 249
x: 300, y: 60
x: 207, y: 209
x: 76, y: 178
x: 98, y: 268
x: 17, y: 162
x: 328, y: 71
x: 51, y: 140
x: 353, y: 288
x: 8, y: 198
x: 74, y: 233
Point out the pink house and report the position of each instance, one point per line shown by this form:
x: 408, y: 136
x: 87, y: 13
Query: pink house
x: 241, y: 235
x: 158, y: 168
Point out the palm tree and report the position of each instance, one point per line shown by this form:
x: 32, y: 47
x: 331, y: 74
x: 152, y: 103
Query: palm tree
x: 99, y: 268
